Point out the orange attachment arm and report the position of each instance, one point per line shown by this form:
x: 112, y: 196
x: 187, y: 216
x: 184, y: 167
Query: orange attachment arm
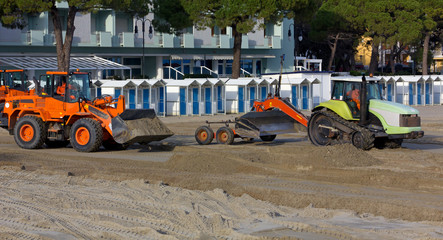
x: 287, y: 108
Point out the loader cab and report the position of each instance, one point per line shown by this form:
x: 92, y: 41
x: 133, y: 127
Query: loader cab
x: 2, y: 81
x: 349, y: 92
x: 15, y: 79
x: 68, y: 88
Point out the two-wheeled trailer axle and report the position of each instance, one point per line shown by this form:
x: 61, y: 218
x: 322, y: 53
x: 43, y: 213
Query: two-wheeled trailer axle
x: 204, y: 135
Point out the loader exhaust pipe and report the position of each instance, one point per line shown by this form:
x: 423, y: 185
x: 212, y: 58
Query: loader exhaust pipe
x: 364, y: 111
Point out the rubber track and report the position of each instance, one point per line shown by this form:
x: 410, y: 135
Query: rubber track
x: 368, y: 137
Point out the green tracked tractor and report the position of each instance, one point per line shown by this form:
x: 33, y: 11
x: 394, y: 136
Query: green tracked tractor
x: 365, y: 120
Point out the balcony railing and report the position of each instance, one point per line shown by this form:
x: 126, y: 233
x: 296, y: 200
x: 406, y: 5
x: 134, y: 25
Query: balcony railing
x: 172, y: 73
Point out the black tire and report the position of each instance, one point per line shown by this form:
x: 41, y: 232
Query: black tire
x: 86, y: 135
x: 225, y: 135
x: 204, y: 135
x: 30, y: 132
x: 319, y: 136
x: 268, y: 138
x: 56, y: 144
x: 113, y: 145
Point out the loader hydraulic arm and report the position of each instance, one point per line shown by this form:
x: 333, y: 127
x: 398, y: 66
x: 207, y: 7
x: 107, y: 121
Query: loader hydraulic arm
x: 284, y: 106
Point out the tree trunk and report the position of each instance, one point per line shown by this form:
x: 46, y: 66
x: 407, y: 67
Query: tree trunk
x: 391, y: 60
x: 425, y: 54
x: 237, y: 52
x: 333, y: 50
x: 374, y: 59
x: 63, y: 49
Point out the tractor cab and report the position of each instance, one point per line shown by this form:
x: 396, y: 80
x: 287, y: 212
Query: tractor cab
x: 349, y: 92
x: 65, y: 87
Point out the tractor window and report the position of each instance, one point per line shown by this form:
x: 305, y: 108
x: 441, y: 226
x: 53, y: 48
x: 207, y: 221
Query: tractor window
x: 352, y: 98
x: 338, y: 91
x: 78, y: 87
x: 373, y: 91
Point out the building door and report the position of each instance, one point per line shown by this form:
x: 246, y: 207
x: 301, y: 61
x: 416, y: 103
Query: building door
x: 99, y: 92
x: 241, y: 99
x: 117, y: 92
x: 411, y: 94
x: 208, y: 102
x: 219, y: 99
x: 305, y: 97
x: 419, y: 93
x: 251, y: 96
x: 183, y: 101
x: 146, y: 99
x: 131, y: 98
x: 161, y: 102
x: 294, y: 95
x: 264, y: 93
x: 195, y: 102
x: 389, y: 92
x: 428, y: 93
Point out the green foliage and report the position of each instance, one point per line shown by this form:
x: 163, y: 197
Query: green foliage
x: 241, y: 13
x: 337, y: 16
x: 393, y: 21
x: 170, y: 16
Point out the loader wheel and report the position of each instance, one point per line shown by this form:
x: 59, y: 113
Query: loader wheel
x: 225, y: 135
x: 56, y: 144
x: 318, y: 132
x: 204, y: 135
x: 29, y: 132
x: 86, y: 135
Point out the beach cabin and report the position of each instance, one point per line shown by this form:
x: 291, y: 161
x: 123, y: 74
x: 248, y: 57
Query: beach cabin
x: 183, y: 97
x: 265, y: 87
x: 240, y: 94
x: 96, y: 88
x: 438, y: 98
x: 213, y: 96
x: 150, y: 95
x: 116, y: 88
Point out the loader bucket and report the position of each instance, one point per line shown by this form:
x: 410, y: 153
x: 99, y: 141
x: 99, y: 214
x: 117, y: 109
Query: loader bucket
x: 255, y: 124
x: 138, y: 125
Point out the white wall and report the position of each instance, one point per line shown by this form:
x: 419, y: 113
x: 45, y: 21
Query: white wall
x: 173, y: 97
x: 82, y: 33
x: 10, y: 35
x: 231, y: 99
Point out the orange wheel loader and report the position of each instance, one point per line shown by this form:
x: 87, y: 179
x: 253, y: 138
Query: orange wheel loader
x: 12, y: 83
x: 61, y: 112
